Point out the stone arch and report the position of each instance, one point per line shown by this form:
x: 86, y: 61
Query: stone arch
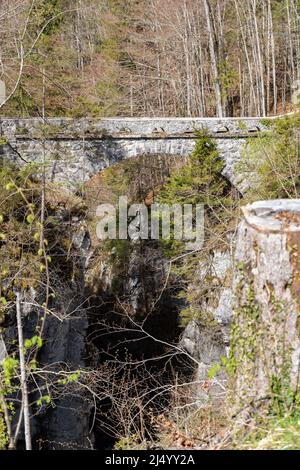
x: 79, y: 149
x: 146, y: 181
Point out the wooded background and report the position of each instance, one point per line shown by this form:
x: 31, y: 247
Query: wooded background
x: 149, y: 57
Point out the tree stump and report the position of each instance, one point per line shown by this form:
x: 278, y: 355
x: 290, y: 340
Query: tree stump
x: 265, y: 344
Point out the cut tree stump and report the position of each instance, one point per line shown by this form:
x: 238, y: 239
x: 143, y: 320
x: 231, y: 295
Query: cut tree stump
x: 265, y: 343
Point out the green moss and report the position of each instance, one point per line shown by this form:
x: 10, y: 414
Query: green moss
x: 249, y: 338
x: 47, y: 130
x: 193, y: 312
x: 244, y: 334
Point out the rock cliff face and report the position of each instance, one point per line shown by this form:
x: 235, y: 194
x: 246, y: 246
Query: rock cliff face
x: 147, y: 271
x: 69, y: 339
x: 66, y: 424
x: 207, y: 339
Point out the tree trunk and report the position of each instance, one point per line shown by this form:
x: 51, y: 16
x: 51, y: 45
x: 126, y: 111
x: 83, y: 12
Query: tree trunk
x: 214, y: 58
x: 25, y: 400
x: 265, y: 345
x: 273, y: 53
x: 259, y: 60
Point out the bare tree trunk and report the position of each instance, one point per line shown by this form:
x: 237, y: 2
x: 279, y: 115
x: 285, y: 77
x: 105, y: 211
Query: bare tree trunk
x: 214, y: 57
x: 186, y: 49
x: 25, y: 400
x: 246, y: 53
x: 296, y: 28
x: 268, y: 56
x: 273, y: 52
x: 265, y: 351
x: 259, y: 59
x: 290, y: 41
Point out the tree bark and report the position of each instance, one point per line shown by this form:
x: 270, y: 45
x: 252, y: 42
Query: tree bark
x: 265, y: 344
x: 25, y: 400
x: 214, y: 58
x: 273, y: 53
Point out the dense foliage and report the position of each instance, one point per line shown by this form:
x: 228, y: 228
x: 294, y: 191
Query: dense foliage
x: 271, y: 163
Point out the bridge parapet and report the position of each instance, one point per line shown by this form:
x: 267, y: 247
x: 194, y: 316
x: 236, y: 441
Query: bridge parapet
x: 69, y: 128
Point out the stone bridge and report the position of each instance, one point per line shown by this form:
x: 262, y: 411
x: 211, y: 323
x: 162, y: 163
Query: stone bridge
x: 77, y: 149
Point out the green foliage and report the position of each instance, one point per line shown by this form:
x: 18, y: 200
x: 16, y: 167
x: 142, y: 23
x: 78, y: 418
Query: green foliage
x: 242, y: 126
x: 229, y: 78
x: 3, y: 301
x: 28, y: 238
x: 213, y: 371
x: 109, y: 48
x: 249, y: 338
x: 70, y: 378
x: 24, y: 253
x: 200, y: 179
x: 267, y: 122
x: 30, y: 218
x: 32, y: 342
x: 119, y: 251
x: 108, y: 95
x: 199, y: 182
x: 9, y: 366
x: 284, y: 399
x: 46, y: 16
x: 244, y: 340
x: 193, y: 300
x: 85, y: 107
x: 3, y: 433
x: 271, y: 163
x: 18, y: 246
x: 272, y: 433
x: 33, y: 365
x: 46, y: 399
x: 127, y: 443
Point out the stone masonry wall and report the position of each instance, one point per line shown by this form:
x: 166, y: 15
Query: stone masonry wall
x: 77, y: 149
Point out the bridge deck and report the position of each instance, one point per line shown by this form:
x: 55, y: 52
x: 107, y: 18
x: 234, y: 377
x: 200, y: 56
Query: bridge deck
x: 129, y: 129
